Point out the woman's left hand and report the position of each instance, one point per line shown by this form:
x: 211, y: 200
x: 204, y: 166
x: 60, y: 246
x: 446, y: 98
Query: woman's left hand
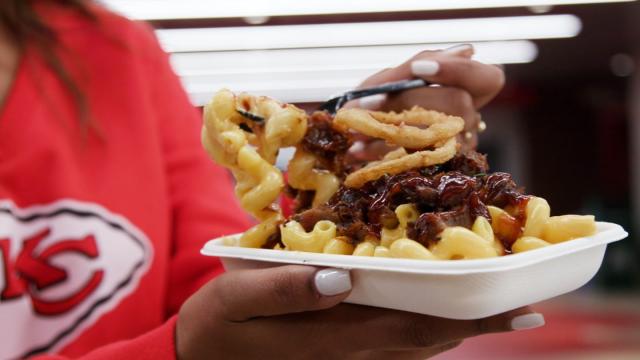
x: 465, y: 86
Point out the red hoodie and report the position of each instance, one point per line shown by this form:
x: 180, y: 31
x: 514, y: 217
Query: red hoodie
x: 100, y: 234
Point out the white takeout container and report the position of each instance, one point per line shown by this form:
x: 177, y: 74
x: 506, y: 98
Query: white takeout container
x: 460, y: 289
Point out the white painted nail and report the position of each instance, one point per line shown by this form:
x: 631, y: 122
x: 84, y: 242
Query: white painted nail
x: 459, y: 49
x: 373, y: 102
x: 528, y: 321
x: 330, y: 282
x: 356, y: 147
x: 424, y: 67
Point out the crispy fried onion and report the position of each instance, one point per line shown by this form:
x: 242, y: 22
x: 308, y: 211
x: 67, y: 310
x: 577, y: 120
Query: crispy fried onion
x: 413, y: 129
x: 398, y: 161
x: 249, y: 150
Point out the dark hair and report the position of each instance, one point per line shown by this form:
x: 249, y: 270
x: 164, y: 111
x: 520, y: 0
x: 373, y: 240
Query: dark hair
x: 25, y: 27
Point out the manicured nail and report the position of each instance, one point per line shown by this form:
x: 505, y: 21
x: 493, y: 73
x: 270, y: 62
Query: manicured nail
x: 461, y: 49
x: 528, y: 321
x: 356, y: 147
x: 372, y: 102
x: 424, y: 67
x: 330, y: 282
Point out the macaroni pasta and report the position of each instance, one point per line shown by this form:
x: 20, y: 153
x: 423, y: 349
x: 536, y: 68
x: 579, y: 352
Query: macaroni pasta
x: 405, y: 213
x: 304, y: 176
x: 296, y: 238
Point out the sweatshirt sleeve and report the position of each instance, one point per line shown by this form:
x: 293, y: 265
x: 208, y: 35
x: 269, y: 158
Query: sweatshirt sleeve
x: 203, y: 205
x: 158, y: 344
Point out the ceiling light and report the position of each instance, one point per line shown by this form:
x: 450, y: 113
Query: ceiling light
x: 200, y: 9
x: 370, y: 33
x: 312, y: 75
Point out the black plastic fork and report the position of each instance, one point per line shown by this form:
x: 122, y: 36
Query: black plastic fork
x: 334, y: 104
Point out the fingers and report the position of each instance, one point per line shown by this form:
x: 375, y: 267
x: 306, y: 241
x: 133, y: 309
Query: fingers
x: 420, y: 354
x: 464, y: 87
x: 431, y: 331
x: 447, y: 69
x: 366, y: 328
x: 482, y: 81
x: 449, y: 100
x: 461, y: 50
x: 246, y: 294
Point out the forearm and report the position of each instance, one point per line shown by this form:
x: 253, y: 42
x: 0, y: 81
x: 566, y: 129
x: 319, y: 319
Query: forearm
x: 157, y: 344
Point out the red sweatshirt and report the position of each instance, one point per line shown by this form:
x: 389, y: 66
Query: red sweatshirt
x: 100, y: 234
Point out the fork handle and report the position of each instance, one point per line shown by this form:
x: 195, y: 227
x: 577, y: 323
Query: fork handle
x: 386, y: 88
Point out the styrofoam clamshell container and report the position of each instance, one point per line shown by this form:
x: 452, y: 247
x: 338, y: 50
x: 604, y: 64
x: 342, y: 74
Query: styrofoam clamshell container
x: 456, y: 289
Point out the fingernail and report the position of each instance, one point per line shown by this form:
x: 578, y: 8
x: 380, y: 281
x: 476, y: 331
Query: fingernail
x: 424, y: 67
x: 528, y: 321
x: 461, y: 49
x: 356, y: 147
x: 372, y: 102
x: 331, y: 282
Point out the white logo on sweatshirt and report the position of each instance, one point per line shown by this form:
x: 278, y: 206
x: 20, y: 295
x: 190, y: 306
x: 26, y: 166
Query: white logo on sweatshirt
x: 62, y: 266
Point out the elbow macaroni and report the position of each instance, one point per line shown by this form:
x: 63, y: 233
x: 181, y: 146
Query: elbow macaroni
x: 455, y: 242
x: 458, y: 242
x: 541, y: 230
x: 304, y: 176
x: 251, y: 155
x: 381, y: 251
x: 405, y: 213
x: 410, y: 249
x: 365, y: 248
x: 527, y: 243
x: 537, y: 212
x: 338, y: 246
x: 295, y: 238
x: 567, y: 227
x: 482, y: 228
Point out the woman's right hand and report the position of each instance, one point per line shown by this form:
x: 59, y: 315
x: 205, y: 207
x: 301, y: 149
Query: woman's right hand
x: 296, y: 312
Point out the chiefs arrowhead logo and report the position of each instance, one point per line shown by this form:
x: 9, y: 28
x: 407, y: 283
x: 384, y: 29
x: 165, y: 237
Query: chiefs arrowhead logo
x: 62, y: 266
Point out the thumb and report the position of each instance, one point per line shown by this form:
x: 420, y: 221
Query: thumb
x: 245, y: 294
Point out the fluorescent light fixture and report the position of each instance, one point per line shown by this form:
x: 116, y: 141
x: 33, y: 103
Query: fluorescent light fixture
x: 370, y: 33
x: 200, y: 9
x: 311, y: 75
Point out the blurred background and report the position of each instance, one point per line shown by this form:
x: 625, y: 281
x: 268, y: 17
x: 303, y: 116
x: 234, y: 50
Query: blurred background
x: 566, y: 125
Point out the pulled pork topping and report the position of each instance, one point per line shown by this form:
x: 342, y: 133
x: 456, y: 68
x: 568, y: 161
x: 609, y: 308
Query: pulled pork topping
x: 450, y: 194
x: 327, y: 144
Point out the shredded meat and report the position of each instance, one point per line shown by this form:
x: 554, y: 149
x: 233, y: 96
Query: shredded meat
x: 330, y: 148
x: 327, y: 144
x: 450, y: 194
x: 273, y: 240
x: 500, y: 190
x: 469, y: 163
x: 302, y: 199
